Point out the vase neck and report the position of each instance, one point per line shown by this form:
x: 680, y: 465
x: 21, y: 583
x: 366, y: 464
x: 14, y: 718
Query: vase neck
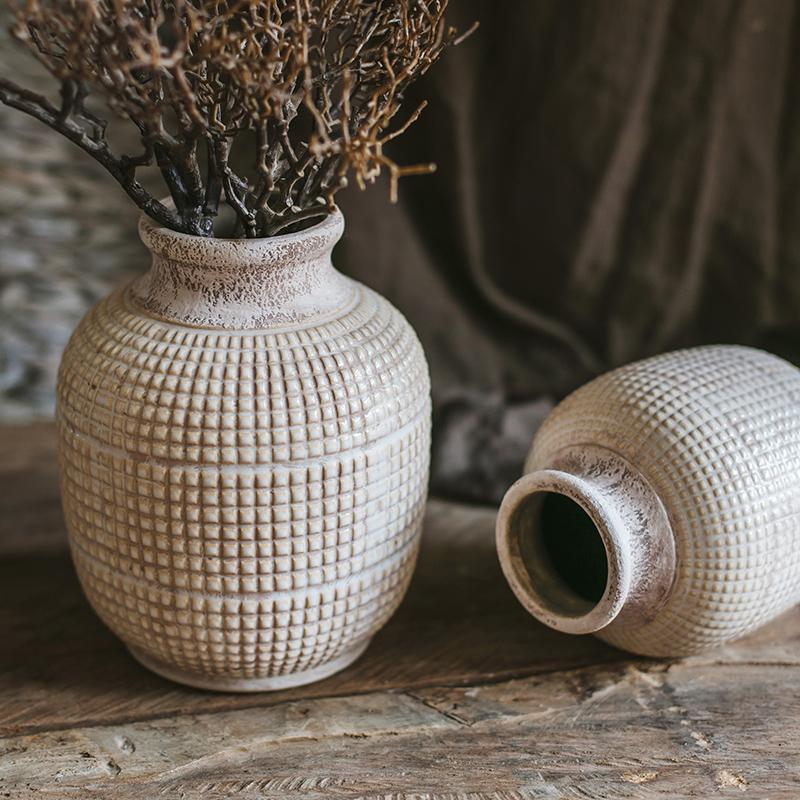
x: 586, y: 542
x: 242, y: 283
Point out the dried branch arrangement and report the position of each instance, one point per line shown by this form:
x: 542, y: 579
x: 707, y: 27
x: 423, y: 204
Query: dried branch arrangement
x: 305, y: 90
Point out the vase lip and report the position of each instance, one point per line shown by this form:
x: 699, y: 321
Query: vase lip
x: 242, y: 284
x: 594, y: 615
x: 266, y: 251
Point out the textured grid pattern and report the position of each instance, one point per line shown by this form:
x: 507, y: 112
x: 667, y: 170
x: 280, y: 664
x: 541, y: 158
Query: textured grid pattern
x: 716, y: 431
x: 244, y: 505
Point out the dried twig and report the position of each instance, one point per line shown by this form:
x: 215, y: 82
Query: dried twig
x: 316, y: 84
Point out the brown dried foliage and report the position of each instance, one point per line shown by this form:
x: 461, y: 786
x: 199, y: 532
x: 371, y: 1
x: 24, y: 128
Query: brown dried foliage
x: 308, y: 89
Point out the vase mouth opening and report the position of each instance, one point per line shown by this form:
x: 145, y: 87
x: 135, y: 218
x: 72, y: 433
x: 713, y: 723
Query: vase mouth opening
x: 312, y: 242
x: 562, y: 552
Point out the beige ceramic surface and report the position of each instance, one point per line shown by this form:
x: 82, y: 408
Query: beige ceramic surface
x: 688, y: 464
x: 244, y: 444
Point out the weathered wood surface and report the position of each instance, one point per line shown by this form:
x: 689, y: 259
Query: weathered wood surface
x: 461, y: 696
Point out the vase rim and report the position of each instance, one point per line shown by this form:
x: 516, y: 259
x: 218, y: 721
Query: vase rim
x: 242, y: 284
x: 228, y: 252
x: 627, y: 516
x: 592, y: 615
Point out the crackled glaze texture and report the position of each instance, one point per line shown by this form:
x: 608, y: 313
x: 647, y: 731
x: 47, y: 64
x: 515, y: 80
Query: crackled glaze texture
x: 688, y: 465
x: 244, y: 443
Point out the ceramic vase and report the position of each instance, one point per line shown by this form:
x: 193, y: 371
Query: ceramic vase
x: 660, y: 506
x: 244, y: 441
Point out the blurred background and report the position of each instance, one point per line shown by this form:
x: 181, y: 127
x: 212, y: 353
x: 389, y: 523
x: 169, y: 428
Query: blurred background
x: 616, y: 179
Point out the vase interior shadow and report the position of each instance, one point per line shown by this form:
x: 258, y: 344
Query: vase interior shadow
x: 563, y: 551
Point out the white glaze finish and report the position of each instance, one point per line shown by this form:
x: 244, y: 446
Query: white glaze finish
x: 244, y: 499
x: 632, y: 525
x: 712, y: 433
x: 241, y: 283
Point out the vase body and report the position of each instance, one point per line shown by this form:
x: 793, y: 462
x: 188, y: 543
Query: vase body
x: 676, y: 519
x: 243, y: 445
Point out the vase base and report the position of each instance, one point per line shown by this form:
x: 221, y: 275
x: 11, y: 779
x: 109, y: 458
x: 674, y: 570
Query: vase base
x: 270, y: 684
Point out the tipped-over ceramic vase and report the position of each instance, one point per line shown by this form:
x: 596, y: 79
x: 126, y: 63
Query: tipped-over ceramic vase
x: 660, y: 508
x: 244, y: 441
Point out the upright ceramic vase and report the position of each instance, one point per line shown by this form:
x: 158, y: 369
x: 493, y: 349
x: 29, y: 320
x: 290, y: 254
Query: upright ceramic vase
x: 660, y: 508
x: 244, y: 441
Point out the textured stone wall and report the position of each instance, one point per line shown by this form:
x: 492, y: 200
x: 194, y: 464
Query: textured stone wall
x: 67, y: 235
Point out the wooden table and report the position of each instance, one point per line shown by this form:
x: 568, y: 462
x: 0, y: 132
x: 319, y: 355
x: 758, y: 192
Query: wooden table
x: 463, y: 695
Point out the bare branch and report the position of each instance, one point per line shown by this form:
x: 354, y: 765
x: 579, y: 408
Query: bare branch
x: 312, y: 86
x: 38, y: 107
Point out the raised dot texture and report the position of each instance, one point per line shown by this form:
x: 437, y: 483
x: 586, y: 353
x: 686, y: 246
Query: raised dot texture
x: 716, y: 433
x: 244, y: 504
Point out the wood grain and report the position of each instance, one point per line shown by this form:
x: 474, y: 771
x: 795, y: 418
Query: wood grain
x: 61, y: 667
x: 623, y: 730
x: 462, y: 697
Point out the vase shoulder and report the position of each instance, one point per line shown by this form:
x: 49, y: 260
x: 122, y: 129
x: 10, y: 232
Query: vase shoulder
x: 266, y: 396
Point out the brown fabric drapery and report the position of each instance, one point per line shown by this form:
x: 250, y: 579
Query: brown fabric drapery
x: 615, y: 179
